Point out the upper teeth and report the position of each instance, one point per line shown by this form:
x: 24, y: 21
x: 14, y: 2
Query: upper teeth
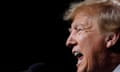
x: 76, y: 53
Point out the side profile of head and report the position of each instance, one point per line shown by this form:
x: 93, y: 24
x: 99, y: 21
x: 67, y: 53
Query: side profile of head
x: 95, y: 34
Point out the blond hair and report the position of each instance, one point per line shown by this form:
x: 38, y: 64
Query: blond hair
x: 107, y: 13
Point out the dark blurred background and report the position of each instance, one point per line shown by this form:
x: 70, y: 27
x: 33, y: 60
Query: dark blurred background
x: 36, y: 33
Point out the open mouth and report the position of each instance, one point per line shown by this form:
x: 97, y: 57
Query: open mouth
x: 79, y: 57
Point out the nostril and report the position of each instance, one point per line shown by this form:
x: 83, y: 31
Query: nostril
x: 71, y: 44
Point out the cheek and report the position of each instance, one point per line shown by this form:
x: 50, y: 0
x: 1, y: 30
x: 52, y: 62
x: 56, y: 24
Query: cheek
x: 86, y: 45
x: 86, y: 41
x: 90, y: 43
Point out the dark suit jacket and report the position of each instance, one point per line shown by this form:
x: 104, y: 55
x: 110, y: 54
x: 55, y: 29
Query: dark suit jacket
x: 38, y: 67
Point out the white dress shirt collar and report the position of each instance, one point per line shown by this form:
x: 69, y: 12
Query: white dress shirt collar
x: 117, y: 69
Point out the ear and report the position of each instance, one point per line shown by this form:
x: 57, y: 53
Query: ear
x: 112, y: 39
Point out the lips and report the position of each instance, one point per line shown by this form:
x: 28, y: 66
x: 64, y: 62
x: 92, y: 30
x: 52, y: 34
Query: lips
x: 79, y: 57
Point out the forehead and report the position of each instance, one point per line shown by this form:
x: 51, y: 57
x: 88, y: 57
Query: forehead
x: 86, y: 14
x: 83, y: 19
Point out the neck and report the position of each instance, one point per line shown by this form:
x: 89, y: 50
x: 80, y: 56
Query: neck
x: 109, y: 62
x: 114, y: 61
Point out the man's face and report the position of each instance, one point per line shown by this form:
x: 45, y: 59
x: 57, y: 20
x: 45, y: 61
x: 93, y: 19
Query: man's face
x: 87, y: 42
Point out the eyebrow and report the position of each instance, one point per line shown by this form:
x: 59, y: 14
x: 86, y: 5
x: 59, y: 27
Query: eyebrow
x: 84, y: 26
x: 78, y: 24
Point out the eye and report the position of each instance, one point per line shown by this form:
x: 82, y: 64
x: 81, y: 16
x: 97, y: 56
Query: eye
x: 78, y: 29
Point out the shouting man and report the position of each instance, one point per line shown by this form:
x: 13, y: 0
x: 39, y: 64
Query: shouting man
x: 95, y: 35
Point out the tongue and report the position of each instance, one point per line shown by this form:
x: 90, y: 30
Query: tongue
x: 80, y: 58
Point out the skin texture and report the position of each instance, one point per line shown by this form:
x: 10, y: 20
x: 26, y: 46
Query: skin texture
x: 86, y: 38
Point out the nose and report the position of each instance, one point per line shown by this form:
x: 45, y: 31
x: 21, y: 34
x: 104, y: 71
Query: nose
x: 71, y: 41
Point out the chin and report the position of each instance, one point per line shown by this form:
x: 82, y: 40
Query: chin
x: 87, y: 64
x: 83, y: 66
